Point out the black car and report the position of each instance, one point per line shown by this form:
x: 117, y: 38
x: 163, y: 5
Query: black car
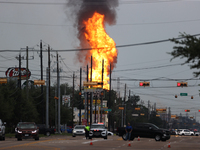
x: 46, y: 131
x: 146, y: 130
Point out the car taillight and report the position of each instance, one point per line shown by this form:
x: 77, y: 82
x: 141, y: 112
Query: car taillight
x: 54, y: 130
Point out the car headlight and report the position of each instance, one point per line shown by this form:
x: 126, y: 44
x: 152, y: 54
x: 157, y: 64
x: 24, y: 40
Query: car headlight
x: 74, y: 131
x: 34, y: 131
x: 19, y: 131
x: 164, y: 131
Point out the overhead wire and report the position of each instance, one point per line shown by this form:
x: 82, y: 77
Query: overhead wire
x: 119, y: 46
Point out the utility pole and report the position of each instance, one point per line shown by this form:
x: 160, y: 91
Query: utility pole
x: 49, y: 70
x: 47, y: 98
x: 47, y: 88
x: 87, y: 96
x: 109, y: 115
x: 148, y: 109
x: 58, y: 84
x: 72, y: 103
x: 27, y: 72
x: 102, y: 91
x: 20, y: 75
x: 91, y: 97
x: 41, y: 67
x: 125, y: 104
x: 80, y: 97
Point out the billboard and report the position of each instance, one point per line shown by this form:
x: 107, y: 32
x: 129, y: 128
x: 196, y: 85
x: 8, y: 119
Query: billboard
x: 14, y: 72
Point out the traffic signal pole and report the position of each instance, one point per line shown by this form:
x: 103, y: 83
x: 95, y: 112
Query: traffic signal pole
x: 91, y: 97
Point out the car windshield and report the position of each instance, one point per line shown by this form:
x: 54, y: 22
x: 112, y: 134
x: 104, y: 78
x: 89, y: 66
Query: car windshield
x: 27, y: 126
x: 79, y: 127
x: 98, y: 126
x: 154, y: 126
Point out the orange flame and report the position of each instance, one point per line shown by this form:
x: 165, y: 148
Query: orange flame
x: 103, y: 48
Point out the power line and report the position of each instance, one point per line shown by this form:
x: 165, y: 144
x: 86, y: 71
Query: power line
x: 148, y: 67
x: 119, y: 46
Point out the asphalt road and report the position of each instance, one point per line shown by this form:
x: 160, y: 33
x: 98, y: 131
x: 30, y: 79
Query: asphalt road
x: 112, y: 143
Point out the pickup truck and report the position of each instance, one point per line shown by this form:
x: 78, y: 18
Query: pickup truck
x: 145, y: 130
x: 2, y: 130
x: 44, y: 130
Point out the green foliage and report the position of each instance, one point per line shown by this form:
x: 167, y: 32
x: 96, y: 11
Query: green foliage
x: 187, y: 47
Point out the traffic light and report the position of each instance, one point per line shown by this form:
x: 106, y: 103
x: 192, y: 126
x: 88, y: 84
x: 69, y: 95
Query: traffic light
x: 161, y: 110
x: 187, y: 110
x: 199, y: 110
x: 137, y: 108
x: 144, y: 84
x: 181, y: 84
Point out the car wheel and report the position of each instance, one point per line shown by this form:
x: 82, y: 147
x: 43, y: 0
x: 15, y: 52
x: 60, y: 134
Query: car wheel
x: 183, y: 134
x: 19, y: 139
x: 48, y: 133
x: 105, y: 137
x: 37, y: 138
x: 192, y: 134
x: 3, y: 138
x: 124, y: 136
x: 74, y: 135
x: 157, y: 137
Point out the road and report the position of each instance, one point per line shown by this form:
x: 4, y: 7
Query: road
x: 112, y: 143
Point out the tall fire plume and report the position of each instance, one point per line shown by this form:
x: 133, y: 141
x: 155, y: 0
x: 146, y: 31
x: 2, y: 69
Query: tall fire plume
x: 91, y: 17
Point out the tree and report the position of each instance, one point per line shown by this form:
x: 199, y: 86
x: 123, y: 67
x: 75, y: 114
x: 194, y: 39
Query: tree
x: 188, y: 47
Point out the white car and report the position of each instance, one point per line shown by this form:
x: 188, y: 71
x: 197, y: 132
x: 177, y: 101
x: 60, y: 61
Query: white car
x: 98, y: 130
x: 185, y: 132
x: 109, y: 133
x: 78, y: 130
x: 196, y: 133
x: 2, y: 130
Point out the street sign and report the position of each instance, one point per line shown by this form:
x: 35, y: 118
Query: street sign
x: 121, y: 108
x: 183, y: 94
x: 107, y: 109
x: 90, y: 89
x: 135, y: 115
x: 173, y: 116
x: 92, y: 83
x: 104, y: 108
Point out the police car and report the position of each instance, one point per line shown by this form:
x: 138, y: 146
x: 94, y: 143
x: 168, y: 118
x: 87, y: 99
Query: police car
x: 98, y: 130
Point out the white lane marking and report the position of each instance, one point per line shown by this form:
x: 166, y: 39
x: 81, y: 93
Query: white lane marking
x: 96, y: 141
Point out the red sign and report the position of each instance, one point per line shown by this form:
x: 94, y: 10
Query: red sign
x: 84, y: 121
x: 14, y: 72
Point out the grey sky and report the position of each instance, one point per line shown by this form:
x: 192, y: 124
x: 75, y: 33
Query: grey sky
x: 141, y: 21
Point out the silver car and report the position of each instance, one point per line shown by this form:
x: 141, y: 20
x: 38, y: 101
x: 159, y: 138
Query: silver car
x: 78, y: 130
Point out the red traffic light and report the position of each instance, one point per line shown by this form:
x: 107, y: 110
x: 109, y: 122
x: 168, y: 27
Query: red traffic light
x: 141, y: 83
x: 144, y: 83
x: 199, y: 110
x: 182, y: 84
x: 187, y: 110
